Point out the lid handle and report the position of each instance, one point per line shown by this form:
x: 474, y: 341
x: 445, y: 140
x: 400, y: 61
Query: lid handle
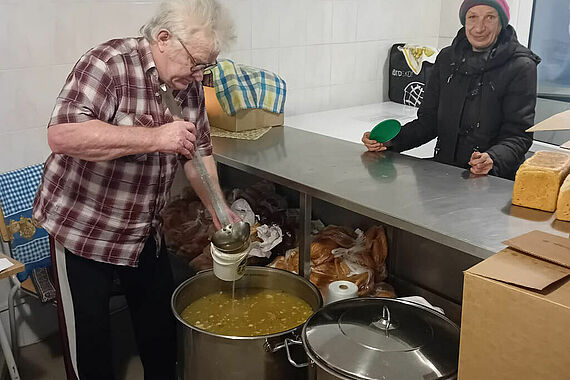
x: 385, y: 322
x: 386, y: 318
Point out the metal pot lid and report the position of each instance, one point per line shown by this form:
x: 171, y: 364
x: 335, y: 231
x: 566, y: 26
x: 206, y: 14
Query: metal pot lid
x: 382, y: 338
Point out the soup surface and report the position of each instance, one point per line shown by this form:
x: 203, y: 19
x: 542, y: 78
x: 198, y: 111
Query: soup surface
x: 253, y: 312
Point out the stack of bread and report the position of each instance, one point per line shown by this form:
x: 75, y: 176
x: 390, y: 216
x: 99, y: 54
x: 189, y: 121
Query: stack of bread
x: 563, y: 204
x: 338, y: 253
x: 541, y: 183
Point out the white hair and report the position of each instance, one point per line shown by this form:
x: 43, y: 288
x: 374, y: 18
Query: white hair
x: 186, y: 18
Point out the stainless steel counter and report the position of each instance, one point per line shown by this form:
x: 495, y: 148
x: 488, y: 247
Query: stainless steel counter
x: 438, y: 202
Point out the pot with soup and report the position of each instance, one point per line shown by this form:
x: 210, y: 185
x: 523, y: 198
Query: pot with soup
x: 240, y: 330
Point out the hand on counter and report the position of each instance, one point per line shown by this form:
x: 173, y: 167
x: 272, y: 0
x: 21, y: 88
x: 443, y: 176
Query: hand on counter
x: 481, y: 163
x: 372, y: 145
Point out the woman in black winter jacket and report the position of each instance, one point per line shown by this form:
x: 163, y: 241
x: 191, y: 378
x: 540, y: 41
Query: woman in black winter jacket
x: 479, y: 99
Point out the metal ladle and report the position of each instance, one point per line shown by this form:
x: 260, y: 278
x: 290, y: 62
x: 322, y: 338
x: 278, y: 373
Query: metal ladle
x: 233, y: 237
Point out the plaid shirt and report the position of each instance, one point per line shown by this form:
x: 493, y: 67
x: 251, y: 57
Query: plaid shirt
x: 106, y: 210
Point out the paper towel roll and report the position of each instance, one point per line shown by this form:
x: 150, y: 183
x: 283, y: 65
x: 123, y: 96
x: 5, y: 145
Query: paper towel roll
x: 339, y: 290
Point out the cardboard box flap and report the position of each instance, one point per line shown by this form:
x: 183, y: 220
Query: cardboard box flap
x: 516, y: 268
x: 552, y: 248
x: 558, y: 122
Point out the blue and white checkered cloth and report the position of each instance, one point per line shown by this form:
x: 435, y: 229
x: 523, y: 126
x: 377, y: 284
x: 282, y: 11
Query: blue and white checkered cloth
x: 17, y: 191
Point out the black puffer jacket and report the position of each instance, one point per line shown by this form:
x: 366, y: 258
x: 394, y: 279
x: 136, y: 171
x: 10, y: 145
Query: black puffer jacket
x: 478, y: 101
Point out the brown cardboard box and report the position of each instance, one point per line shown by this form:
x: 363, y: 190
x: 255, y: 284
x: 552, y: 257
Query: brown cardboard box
x: 558, y: 122
x: 516, y: 312
x: 243, y: 120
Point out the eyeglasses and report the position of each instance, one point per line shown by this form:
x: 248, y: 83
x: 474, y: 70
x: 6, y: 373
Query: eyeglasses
x: 197, y: 66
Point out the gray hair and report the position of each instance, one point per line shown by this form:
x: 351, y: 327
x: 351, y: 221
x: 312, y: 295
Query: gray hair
x: 185, y: 18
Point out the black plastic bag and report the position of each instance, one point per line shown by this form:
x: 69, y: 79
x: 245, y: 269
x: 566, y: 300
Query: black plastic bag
x: 405, y: 86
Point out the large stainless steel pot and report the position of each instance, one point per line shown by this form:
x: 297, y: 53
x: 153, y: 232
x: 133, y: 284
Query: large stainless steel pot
x: 380, y: 338
x: 207, y: 356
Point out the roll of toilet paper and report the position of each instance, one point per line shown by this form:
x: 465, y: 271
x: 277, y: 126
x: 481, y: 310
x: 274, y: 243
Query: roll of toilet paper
x: 339, y: 290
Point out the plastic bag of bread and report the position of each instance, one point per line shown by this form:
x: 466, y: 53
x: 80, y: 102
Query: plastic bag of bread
x: 289, y: 262
x: 342, y: 236
x: 377, y: 243
x: 321, y: 252
x: 320, y: 255
x: 358, y: 258
x: 383, y: 289
x: 358, y: 253
x: 340, y: 254
x: 187, y: 226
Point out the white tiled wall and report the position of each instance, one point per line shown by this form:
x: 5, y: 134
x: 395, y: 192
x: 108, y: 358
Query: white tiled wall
x: 40, y: 40
x: 332, y: 53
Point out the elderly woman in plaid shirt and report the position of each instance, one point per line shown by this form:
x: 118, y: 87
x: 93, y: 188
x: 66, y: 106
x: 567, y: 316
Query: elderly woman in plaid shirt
x: 116, y: 149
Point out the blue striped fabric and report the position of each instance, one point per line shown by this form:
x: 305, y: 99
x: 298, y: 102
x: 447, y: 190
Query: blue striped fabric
x: 239, y: 87
x: 17, y: 191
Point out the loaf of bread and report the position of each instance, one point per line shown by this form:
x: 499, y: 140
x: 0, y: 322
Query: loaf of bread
x: 538, y: 180
x: 563, y: 205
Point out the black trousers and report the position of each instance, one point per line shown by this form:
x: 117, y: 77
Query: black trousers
x: 147, y: 288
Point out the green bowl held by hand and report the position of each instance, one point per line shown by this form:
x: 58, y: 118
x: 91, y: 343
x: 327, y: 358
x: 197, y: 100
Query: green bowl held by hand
x: 386, y: 130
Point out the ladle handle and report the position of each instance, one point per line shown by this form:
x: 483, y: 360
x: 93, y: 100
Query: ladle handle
x: 215, y: 195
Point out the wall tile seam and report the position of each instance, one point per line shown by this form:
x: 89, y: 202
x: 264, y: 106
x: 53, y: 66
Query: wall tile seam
x: 67, y: 64
x: 99, y: 2
x: 355, y: 17
x: 22, y: 68
x: 21, y: 130
x: 391, y: 39
x: 351, y: 82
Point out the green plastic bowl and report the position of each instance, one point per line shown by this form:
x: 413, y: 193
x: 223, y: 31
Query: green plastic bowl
x: 385, y: 130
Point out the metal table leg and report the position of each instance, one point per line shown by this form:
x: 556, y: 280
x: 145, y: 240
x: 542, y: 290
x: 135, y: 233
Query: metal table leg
x: 12, y: 317
x: 7, y: 351
x: 305, y: 205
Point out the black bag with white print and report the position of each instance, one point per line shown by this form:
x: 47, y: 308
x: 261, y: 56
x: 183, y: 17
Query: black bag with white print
x: 405, y: 86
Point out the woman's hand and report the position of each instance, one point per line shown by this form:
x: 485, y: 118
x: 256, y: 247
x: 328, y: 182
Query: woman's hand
x: 372, y: 145
x: 481, y: 163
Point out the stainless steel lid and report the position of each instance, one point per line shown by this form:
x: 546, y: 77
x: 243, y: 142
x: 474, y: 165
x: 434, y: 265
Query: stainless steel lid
x: 381, y: 338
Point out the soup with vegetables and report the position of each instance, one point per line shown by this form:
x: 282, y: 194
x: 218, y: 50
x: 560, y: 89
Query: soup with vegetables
x: 253, y: 312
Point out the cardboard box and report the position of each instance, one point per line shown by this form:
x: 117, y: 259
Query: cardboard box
x: 558, y: 122
x: 243, y: 120
x: 515, y: 322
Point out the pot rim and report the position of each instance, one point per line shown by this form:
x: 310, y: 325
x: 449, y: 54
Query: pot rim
x: 209, y: 272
